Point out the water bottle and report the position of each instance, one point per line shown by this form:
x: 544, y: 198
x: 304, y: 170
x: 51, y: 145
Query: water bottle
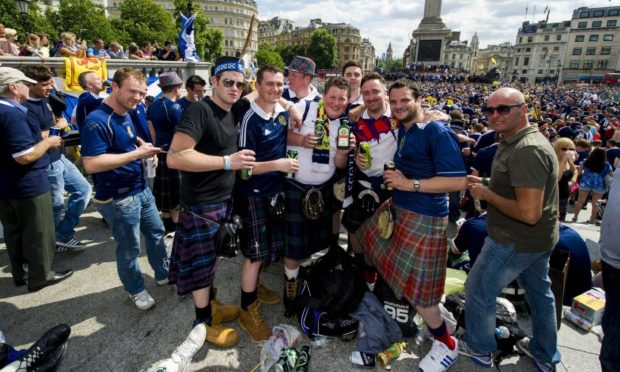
x: 319, y: 342
x: 502, y: 332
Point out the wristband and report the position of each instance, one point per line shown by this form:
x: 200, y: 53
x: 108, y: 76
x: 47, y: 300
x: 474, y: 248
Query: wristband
x: 226, y: 163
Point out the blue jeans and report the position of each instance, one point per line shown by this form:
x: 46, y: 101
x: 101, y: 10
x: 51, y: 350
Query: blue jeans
x: 497, y: 266
x: 128, y: 217
x: 64, y: 176
x: 610, y: 350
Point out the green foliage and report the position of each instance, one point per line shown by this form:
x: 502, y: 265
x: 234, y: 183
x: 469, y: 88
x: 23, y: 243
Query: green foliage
x: 266, y: 55
x: 35, y: 21
x: 322, y: 49
x: 289, y: 52
x: 208, y: 41
x: 393, y: 65
x: 83, y: 18
x: 144, y: 20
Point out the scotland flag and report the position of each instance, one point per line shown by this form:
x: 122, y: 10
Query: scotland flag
x: 187, y: 48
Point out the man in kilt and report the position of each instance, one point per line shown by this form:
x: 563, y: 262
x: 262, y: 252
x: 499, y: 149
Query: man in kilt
x: 264, y: 130
x: 413, y: 260
x: 164, y: 114
x: 522, y: 197
x: 309, y: 226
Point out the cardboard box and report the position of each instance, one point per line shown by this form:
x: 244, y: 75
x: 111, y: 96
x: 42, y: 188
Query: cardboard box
x: 590, y: 306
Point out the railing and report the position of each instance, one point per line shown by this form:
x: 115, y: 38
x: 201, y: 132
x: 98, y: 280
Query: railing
x: 148, y: 68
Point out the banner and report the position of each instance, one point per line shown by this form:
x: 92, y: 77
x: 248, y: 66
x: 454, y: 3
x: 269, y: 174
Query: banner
x: 187, y: 47
x: 75, y: 66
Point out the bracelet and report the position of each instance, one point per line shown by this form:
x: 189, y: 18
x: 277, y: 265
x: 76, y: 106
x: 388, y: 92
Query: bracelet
x: 226, y: 163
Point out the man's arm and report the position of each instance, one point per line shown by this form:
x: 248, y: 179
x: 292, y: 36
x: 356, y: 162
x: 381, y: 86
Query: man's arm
x: 39, y: 150
x: 527, y: 207
x: 107, y: 162
x: 434, y: 185
x: 183, y: 156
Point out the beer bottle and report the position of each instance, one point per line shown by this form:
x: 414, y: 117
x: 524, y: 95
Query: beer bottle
x: 343, y: 134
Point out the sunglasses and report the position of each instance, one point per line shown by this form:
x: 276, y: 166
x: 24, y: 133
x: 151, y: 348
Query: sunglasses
x: 501, y: 109
x: 567, y: 149
x: 228, y: 83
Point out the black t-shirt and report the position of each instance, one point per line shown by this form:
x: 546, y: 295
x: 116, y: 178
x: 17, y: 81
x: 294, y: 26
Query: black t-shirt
x: 40, y: 112
x: 216, y: 133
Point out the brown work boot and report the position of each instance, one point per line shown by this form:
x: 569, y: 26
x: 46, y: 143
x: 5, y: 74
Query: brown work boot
x: 290, y: 294
x: 221, y: 336
x: 251, y: 322
x: 223, y: 313
x: 267, y: 296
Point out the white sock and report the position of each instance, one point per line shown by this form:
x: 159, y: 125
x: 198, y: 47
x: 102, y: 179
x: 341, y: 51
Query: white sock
x: 291, y: 273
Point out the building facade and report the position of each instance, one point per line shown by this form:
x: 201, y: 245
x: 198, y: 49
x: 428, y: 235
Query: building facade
x: 539, y: 51
x: 368, y: 57
x: 494, y: 56
x: 593, y: 47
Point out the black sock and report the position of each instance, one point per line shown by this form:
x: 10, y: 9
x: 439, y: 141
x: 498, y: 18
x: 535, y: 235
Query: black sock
x: 335, y: 240
x: 247, y: 299
x: 204, y: 314
x: 359, y: 260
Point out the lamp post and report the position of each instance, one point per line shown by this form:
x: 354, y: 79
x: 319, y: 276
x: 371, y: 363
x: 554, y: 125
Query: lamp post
x: 23, y: 5
x: 189, y: 8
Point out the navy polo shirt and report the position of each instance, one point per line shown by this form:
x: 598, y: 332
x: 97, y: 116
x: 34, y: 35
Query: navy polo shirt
x: 486, y: 140
x: 425, y: 151
x: 87, y: 103
x: 184, y: 102
x: 612, y: 154
x: 106, y: 132
x: 40, y: 113
x: 138, y: 117
x: 164, y: 114
x: 18, y: 135
x: 266, y: 136
x: 484, y: 160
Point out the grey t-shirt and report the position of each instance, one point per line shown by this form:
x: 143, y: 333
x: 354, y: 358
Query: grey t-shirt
x: 610, y: 234
x: 525, y: 159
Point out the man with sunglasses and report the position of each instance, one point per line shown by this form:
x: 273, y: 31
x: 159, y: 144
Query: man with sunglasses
x: 522, y: 197
x: 25, y: 198
x: 196, y: 89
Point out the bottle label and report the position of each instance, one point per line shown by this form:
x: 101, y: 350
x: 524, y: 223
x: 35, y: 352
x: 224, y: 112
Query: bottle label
x: 343, y: 138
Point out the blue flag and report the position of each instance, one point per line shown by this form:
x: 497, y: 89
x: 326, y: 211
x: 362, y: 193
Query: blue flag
x: 187, y: 47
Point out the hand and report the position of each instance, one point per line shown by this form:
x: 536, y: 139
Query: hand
x: 295, y: 117
x: 477, y: 190
x: 53, y: 141
x: 62, y: 123
x: 146, y: 150
x: 360, y: 161
x: 352, y: 143
x: 435, y: 115
x: 155, y: 161
x: 397, y: 180
x: 242, y: 159
x: 355, y: 114
x: 309, y: 141
x: 288, y: 165
x: 473, y: 179
x: 466, y: 152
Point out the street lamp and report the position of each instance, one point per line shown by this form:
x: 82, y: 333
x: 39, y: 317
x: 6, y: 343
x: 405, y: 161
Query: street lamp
x: 189, y: 8
x: 23, y: 5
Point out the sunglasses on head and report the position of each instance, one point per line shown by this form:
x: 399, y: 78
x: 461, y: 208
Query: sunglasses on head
x: 501, y: 109
x: 228, y: 83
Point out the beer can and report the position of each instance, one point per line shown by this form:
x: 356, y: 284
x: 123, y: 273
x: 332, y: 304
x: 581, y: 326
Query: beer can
x: 303, y: 362
x: 54, y: 131
x: 292, y: 154
x: 365, y: 149
x: 389, y: 166
x: 292, y: 355
x: 246, y: 174
x: 150, y: 168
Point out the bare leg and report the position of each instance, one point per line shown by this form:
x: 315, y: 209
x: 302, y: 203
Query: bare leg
x: 583, y: 195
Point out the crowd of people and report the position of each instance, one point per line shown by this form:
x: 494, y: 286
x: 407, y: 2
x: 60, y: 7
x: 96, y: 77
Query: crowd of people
x: 69, y: 45
x: 273, y: 156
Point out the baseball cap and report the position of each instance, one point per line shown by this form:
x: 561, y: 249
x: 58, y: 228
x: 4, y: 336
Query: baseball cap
x: 9, y: 75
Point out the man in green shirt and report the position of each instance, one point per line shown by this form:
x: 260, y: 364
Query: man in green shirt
x: 522, y: 197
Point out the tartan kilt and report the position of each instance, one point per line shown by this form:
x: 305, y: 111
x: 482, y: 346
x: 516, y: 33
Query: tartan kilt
x: 303, y: 236
x: 413, y: 261
x: 262, y: 237
x: 193, y: 257
x: 167, y: 186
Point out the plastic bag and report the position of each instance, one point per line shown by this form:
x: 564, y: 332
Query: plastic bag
x: 282, y: 336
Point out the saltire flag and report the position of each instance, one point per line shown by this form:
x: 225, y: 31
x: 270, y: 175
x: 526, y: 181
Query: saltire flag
x: 187, y: 47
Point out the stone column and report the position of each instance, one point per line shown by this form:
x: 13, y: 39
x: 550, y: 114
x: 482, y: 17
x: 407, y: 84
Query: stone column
x: 432, y: 8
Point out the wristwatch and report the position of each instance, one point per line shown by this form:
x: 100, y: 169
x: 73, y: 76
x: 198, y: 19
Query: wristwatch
x: 416, y: 185
x: 485, y: 181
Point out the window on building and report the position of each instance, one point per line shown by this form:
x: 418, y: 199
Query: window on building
x: 598, y: 13
x: 582, y: 25
x: 602, y: 64
x: 584, y: 14
x: 527, y: 50
x: 526, y: 61
x: 591, y: 51
x: 613, y: 12
x: 579, y: 38
x: 540, y: 72
x: 593, y: 37
x: 576, y: 51
x: 524, y: 71
x: 596, y: 24
x: 605, y: 51
x: 460, y: 56
x: 552, y: 72
x: 530, y: 39
x: 608, y: 37
x: 587, y: 65
x: 611, y: 23
x: 556, y: 48
x: 574, y: 65
x: 546, y: 37
x: 558, y: 37
x: 520, y: 40
x: 517, y: 61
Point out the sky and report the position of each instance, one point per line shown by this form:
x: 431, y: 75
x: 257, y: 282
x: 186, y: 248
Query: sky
x: 385, y: 21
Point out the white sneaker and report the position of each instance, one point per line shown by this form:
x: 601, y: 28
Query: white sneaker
x: 182, y: 356
x: 142, y: 300
x: 440, y: 358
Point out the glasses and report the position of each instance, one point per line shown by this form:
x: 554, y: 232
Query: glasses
x: 501, y: 109
x: 567, y: 149
x: 228, y: 83
x: 26, y: 83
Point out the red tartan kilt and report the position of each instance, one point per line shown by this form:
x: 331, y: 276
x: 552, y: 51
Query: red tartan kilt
x: 413, y: 261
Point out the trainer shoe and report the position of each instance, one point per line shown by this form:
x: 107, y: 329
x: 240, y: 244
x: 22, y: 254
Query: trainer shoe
x: 440, y: 357
x: 142, y: 300
x: 251, y: 322
x: 267, y: 296
x: 481, y: 359
x: 523, y: 346
x: 290, y: 294
x: 162, y: 282
x: 182, y: 356
x: 70, y: 245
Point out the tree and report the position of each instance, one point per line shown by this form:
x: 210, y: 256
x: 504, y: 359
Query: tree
x: 35, y: 20
x: 83, y: 18
x: 322, y: 49
x: 266, y: 55
x: 208, y: 41
x: 144, y: 20
x: 289, y: 52
x: 393, y: 65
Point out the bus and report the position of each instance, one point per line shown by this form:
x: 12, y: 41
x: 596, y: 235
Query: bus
x: 611, y: 78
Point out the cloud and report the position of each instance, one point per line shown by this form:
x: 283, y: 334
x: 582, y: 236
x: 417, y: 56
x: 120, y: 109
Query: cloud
x: 383, y: 21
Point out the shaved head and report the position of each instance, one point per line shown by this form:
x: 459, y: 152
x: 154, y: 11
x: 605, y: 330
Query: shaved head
x: 508, y: 95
